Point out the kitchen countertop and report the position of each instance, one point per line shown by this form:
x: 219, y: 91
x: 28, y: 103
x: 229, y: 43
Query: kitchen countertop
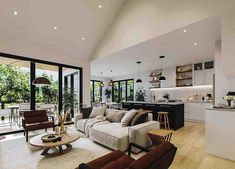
x: 221, y: 109
x: 148, y: 102
x: 168, y: 103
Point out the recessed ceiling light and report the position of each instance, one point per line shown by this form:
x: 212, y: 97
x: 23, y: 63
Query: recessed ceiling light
x: 83, y: 38
x: 100, y: 6
x: 55, y: 27
x: 15, y: 13
x: 185, y: 30
x: 195, y: 44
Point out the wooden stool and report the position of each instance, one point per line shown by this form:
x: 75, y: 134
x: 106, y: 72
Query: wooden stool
x: 165, y: 119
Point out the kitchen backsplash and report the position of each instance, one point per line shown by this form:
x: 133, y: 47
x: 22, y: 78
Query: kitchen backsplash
x: 184, y: 93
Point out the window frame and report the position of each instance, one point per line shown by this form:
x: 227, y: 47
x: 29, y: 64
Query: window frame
x: 119, y: 89
x: 93, y: 90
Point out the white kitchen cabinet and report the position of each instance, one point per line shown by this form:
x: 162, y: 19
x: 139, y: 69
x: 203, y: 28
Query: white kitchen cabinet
x: 209, y: 76
x: 203, y: 77
x: 199, y: 78
x: 205, y: 106
x: 196, y: 111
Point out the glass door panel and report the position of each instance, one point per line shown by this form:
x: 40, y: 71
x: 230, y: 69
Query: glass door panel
x: 71, y: 91
x: 46, y: 97
x: 123, y: 91
x: 130, y: 90
x: 14, y: 93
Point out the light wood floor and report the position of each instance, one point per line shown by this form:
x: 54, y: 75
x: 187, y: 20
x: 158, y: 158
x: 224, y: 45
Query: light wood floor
x: 190, y: 141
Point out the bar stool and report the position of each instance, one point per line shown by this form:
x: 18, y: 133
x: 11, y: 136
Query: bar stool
x: 165, y: 121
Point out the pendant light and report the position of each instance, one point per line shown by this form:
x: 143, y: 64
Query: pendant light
x: 111, y: 81
x: 161, y: 78
x: 138, y: 80
x: 41, y: 81
x: 101, y: 83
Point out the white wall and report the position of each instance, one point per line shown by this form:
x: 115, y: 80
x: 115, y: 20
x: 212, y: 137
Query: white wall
x: 141, y: 20
x: 223, y: 84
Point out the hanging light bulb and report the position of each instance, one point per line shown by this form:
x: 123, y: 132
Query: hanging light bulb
x: 161, y: 78
x: 138, y: 80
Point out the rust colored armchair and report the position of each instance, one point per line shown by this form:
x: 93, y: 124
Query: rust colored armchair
x: 36, y: 120
x: 159, y: 158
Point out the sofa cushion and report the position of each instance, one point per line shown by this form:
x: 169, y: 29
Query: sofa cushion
x: 122, y: 162
x: 112, y: 135
x: 97, y: 111
x: 103, y: 160
x: 160, y: 157
x: 139, y: 118
x: 115, y: 116
x: 86, y: 112
x: 126, y: 120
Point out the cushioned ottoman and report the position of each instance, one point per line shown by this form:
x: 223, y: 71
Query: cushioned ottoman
x: 112, y: 135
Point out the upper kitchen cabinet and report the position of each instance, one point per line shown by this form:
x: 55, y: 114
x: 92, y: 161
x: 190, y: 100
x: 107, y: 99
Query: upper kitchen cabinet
x: 203, y: 73
x: 184, y: 75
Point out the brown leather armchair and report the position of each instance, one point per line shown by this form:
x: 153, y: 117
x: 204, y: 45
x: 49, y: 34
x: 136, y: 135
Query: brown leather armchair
x: 36, y: 120
x: 160, y: 157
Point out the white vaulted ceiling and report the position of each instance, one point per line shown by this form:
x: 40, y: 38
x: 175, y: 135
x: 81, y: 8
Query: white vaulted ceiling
x: 177, y: 46
x: 31, y: 31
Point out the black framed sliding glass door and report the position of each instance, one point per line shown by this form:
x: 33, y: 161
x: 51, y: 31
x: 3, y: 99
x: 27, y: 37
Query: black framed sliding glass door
x: 17, y: 74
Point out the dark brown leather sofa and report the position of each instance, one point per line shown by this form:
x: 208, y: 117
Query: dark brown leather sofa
x: 36, y: 120
x: 159, y: 158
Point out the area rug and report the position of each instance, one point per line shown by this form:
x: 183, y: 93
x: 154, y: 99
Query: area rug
x: 70, y: 160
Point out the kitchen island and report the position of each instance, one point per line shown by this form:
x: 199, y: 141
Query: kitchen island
x: 220, y: 127
x: 175, y: 110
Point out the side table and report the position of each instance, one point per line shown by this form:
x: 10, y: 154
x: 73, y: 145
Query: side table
x: 159, y: 136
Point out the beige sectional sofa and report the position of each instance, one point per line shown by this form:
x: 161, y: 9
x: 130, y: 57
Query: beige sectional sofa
x: 113, y: 135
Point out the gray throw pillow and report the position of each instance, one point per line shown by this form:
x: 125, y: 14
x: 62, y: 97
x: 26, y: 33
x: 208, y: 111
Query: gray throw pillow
x: 126, y: 120
x: 115, y: 116
x: 139, y: 118
x: 97, y: 111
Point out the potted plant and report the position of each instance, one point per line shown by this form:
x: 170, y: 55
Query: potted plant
x: 140, y: 95
x: 69, y: 102
x: 107, y: 94
x: 166, y: 96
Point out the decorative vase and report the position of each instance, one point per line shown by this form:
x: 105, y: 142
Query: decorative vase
x: 62, y: 128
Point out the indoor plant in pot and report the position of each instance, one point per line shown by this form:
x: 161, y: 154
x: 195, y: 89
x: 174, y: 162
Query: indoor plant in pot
x: 108, y: 93
x: 140, y: 95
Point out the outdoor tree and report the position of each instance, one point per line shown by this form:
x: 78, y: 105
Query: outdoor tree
x: 14, y: 84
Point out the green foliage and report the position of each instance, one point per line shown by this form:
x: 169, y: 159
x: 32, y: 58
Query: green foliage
x: 14, y: 84
x: 47, y: 94
x: 140, y: 95
x: 69, y: 99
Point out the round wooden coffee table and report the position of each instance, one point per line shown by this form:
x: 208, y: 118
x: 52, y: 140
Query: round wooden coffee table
x: 65, y: 141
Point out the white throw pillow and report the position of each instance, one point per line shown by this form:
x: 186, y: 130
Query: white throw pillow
x: 97, y: 111
x: 126, y: 120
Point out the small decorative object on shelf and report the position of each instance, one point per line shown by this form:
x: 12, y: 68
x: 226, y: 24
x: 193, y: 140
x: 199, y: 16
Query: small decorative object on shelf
x: 184, y: 75
x: 155, y: 75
